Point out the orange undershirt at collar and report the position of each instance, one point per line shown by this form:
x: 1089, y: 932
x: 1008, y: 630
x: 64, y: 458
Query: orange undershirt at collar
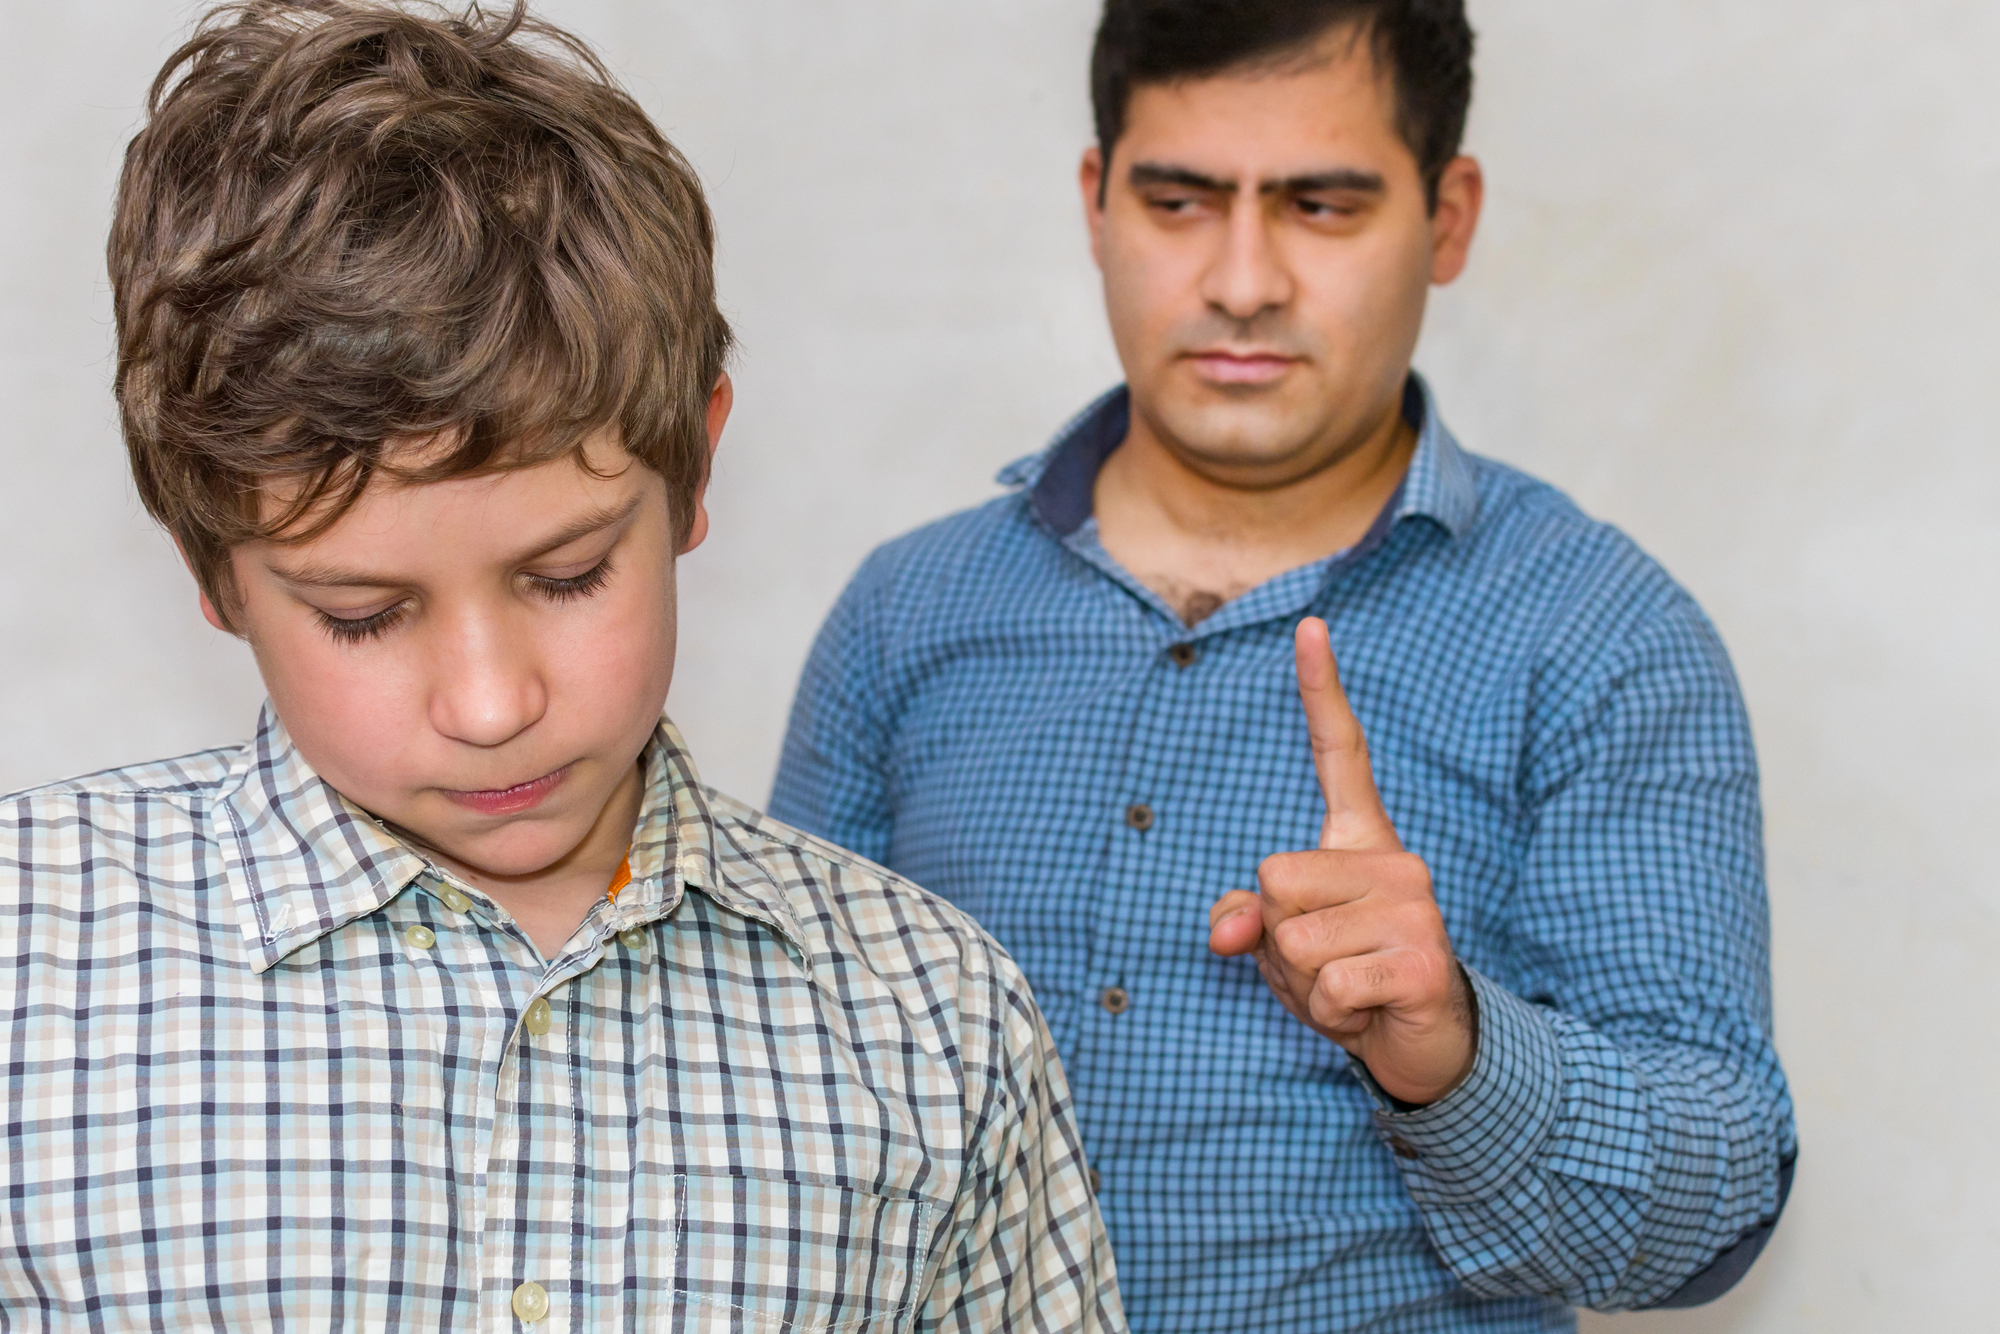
x: 621, y: 878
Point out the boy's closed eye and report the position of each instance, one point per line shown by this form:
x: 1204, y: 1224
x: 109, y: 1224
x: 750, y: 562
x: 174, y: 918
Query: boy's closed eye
x: 352, y: 606
x: 353, y: 625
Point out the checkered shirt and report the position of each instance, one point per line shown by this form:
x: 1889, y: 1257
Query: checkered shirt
x: 266, y: 1068
x: 999, y: 711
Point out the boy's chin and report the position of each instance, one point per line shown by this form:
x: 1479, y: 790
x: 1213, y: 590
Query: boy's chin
x: 519, y: 848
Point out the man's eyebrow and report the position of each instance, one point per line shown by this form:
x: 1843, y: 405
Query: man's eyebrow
x: 1350, y: 179
x: 1161, y: 173
x: 317, y: 574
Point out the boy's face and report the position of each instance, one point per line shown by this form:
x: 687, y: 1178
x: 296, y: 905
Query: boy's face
x: 479, y: 661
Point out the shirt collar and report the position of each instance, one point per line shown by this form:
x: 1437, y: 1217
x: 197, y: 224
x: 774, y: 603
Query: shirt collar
x: 1060, y: 480
x: 679, y: 823
x: 303, y: 861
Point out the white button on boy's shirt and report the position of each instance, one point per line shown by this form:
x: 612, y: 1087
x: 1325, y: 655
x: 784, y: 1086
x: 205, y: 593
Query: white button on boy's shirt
x: 537, y: 1017
x: 221, y: 916
x: 531, y: 1302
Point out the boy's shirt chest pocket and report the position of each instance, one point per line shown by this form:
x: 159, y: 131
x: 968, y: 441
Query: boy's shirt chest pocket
x: 761, y: 1255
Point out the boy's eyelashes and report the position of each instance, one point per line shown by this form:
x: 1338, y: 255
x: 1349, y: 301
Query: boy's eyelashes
x: 576, y: 586
x: 357, y: 629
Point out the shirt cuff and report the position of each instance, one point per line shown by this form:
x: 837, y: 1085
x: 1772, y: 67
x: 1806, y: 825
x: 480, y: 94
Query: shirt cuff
x: 1479, y: 1137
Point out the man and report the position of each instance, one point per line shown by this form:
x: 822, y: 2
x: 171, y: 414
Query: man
x: 453, y: 1000
x: 1491, y: 1038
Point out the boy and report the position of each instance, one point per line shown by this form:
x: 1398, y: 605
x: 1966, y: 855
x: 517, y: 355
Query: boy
x: 453, y: 1000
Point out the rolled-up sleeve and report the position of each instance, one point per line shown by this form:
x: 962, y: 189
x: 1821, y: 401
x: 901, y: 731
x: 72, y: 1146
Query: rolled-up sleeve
x: 1625, y: 1137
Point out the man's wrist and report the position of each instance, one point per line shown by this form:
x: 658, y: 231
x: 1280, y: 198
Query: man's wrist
x: 1465, y: 1012
x: 1482, y: 1131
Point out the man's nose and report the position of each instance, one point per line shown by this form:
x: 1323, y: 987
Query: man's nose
x: 1249, y: 275
x: 488, y: 685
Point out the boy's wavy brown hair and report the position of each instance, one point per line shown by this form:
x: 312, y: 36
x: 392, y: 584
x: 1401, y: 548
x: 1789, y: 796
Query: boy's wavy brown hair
x: 347, y: 226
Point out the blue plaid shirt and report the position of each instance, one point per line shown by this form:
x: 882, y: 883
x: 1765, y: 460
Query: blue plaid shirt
x: 999, y: 711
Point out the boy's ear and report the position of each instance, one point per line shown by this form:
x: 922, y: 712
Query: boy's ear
x: 208, y: 609
x: 720, y: 400
x: 213, y: 616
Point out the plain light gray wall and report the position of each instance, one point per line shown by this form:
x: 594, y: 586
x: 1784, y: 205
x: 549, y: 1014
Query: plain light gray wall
x: 1736, y: 292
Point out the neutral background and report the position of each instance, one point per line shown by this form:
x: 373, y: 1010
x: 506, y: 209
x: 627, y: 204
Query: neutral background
x: 1737, y: 293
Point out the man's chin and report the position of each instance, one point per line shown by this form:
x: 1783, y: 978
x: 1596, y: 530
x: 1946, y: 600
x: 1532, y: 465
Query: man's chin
x: 1241, y: 439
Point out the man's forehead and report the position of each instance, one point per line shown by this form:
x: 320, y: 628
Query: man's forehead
x: 1328, y: 97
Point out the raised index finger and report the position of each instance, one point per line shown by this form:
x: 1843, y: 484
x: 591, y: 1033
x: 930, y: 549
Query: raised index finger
x: 1355, y: 817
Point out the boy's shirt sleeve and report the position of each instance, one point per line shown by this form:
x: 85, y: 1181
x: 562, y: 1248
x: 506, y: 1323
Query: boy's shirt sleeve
x: 832, y: 775
x: 1625, y: 1137
x: 1027, y: 1250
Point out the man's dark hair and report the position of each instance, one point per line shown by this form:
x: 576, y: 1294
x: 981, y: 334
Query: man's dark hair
x: 1425, y: 45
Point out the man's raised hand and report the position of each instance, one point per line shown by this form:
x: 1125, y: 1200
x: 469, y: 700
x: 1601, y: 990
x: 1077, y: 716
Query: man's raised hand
x: 1349, y: 935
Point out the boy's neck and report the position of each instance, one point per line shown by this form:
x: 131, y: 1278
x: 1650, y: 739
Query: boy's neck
x: 551, y: 903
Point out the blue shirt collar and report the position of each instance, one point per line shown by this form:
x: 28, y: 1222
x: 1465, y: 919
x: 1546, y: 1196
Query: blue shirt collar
x: 1062, y: 478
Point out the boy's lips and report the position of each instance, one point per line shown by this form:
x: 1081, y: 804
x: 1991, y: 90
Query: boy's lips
x: 510, y: 800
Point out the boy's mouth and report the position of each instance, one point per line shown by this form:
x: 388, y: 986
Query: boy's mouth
x: 510, y: 800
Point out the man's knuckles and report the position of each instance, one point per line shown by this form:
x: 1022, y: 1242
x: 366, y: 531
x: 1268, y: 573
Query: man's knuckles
x: 1315, y: 938
x: 1307, y: 940
x: 1406, y: 978
x: 1294, y: 882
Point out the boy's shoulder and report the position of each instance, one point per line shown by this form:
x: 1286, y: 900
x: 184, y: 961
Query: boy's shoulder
x: 865, y: 914
x: 193, y: 776
x: 134, y: 852
x: 152, y: 803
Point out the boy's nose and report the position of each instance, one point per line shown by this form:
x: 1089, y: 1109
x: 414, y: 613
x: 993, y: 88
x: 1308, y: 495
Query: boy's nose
x: 488, y: 687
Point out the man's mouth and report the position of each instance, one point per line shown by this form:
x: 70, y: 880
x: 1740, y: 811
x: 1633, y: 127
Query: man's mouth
x: 510, y: 800
x: 1231, y: 366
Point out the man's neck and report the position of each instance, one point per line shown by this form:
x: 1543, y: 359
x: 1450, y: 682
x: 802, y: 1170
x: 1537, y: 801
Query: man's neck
x: 1200, y: 542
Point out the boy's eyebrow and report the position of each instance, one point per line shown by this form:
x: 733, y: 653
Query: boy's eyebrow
x: 1336, y: 178
x: 317, y: 574
x: 592, y: 521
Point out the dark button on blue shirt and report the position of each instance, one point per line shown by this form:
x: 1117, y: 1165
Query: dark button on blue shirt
x: 999, y: 711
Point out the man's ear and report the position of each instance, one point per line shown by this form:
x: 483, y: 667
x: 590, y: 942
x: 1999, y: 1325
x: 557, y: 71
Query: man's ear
x: 1460, y: 196
x: 720, y: 400
x: 1090, y: 179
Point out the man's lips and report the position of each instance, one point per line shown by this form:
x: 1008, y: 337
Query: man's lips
x: 1223, y: 366
x: 510, y: 800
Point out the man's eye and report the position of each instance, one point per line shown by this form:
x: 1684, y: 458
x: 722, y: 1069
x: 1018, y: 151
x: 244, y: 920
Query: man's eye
x: 1327, y: 209
x: 577, y: 586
